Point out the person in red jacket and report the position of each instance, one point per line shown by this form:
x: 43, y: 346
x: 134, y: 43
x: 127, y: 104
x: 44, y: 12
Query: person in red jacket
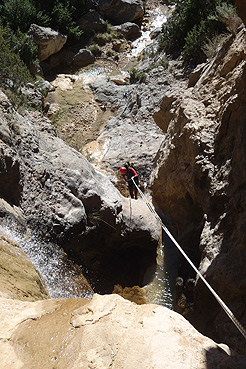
x: 129, y: 173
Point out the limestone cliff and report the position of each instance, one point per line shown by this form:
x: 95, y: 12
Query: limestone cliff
x: 200, y: 182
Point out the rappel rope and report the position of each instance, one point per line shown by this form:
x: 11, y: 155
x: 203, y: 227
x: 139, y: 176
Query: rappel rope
x: 220, y: 301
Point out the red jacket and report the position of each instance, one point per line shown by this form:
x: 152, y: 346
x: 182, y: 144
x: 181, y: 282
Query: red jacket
x: 129, y: 174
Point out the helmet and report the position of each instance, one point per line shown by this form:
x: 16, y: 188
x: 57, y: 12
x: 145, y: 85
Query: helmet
x: 123, y: 170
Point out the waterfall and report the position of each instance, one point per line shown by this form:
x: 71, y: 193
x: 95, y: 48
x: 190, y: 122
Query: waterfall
x: 62, y: 277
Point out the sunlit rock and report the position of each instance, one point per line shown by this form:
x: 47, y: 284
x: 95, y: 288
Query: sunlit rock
x: 120, y: 11
x: 106, y: 331
x: 49, y: 41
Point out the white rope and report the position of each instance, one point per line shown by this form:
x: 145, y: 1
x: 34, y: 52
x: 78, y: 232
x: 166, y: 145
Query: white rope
x: 220, y: 301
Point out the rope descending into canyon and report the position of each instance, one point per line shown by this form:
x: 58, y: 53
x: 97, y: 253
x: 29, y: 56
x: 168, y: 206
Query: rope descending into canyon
x: 220, y: 301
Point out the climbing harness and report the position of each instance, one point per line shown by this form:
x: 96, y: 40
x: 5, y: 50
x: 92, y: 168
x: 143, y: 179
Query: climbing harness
x: 220, y: 301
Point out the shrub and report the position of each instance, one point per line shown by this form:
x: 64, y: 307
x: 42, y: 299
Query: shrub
x: 19, y: 14
x: 95, y: 49
x: 62, y: 19
x: 192, y: 22
x: 211, y: 47
x: 13, y: 72
x: 227, y: 14
x: 136, y: 76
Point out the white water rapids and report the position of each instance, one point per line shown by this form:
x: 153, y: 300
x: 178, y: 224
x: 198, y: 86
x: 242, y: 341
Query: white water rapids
x: 156, y: 21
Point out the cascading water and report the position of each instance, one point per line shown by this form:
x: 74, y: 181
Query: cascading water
x: 157, y: 18
x: 63, y: 279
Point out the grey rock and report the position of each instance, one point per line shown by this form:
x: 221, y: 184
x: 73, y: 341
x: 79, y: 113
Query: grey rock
x: 65, y: 199
x: 83, y: 58
x: 120, y: 11
x: 129, y: 30
x: 91, y: 22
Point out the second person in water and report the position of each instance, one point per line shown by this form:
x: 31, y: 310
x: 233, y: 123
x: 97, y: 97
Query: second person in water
x: 128, y: 173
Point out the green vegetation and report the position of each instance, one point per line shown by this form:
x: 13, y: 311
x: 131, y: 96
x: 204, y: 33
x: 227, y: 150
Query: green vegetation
x: 14, y: 73
x: 17, y: 52
x: 58, y: 14
x: 110, y: 35
x: 136, y: 76
x: 95, y: 49
x: 192, y: 23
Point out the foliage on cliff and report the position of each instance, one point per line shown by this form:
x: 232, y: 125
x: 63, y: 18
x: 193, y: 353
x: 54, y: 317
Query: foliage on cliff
x: 194, y: 22
x: 17, y: 52
x: 14, y: 73
x: 58, y: 14
x: 16, y: 16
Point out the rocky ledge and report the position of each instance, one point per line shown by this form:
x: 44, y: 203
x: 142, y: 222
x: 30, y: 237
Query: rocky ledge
x: 105, y: 332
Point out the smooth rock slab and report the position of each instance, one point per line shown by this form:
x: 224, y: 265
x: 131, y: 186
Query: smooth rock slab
x: 105, y: 332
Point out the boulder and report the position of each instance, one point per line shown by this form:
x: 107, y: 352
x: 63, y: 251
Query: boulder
x: 83, y: 58
x: 106, y: 331
x: 91, y: 22
x: 120, y: 11
x: 49, y: 41
x: 129, y: 30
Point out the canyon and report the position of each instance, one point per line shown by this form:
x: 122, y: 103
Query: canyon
x: 185, y: 132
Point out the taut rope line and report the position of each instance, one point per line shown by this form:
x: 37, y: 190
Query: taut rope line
x: 220, y: 301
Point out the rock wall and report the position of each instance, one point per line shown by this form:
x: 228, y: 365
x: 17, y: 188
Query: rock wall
x: 200, y: 182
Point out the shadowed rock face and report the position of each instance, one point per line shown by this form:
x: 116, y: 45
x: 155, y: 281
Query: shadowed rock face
x: 200, y: 181
x: 120, y: 11
x: 241, y: 10
x: 64, y: 199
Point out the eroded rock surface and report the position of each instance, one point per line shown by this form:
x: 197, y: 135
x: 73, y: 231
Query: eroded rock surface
x: 199, y: 180
x: 107, y: 331
x: 132, y: 133
x: 64, y: 199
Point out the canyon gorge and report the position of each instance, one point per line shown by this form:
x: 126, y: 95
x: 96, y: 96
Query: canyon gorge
x: 75, y: 248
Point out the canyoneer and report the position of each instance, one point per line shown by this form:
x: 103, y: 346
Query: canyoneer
x: 128, y: 173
